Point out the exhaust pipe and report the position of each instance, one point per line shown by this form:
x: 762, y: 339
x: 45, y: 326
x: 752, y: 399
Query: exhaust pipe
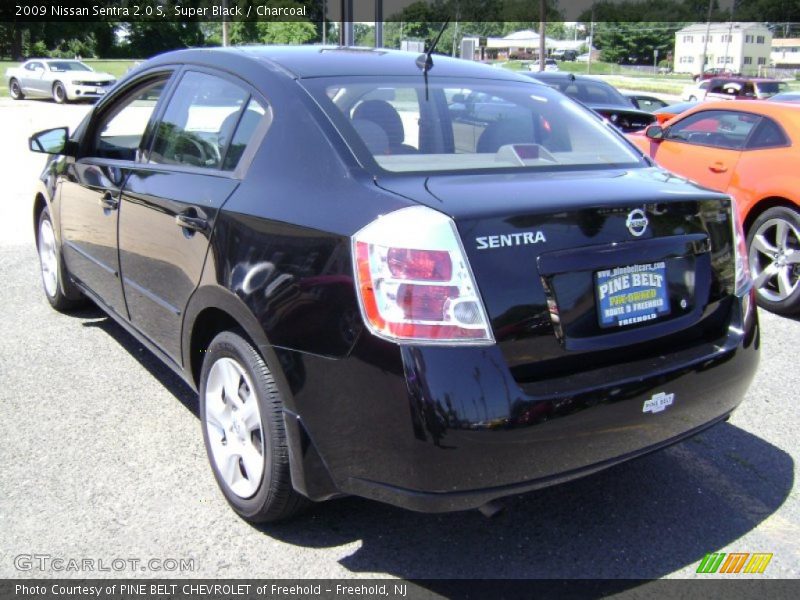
x: 492, y: 508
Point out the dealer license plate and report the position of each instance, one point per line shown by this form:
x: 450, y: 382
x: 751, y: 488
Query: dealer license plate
x: 632, y: 294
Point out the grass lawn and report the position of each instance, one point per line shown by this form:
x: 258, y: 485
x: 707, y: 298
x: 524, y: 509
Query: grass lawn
x: 116, y: 67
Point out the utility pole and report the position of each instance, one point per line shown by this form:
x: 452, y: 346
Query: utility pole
x: 379, y: 23
x: 455, y: 29
x: 728, y: 42
x: 705, y: 40
x: 591, y: 44
x: 346, y: 23
x: 226, y: 34
x: 324, y: 22
x: 542, y: 28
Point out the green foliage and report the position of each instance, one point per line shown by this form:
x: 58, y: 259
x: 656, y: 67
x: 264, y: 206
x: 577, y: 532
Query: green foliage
x: 289, y: 32
x: 634, y: 43
x: 39, y: 49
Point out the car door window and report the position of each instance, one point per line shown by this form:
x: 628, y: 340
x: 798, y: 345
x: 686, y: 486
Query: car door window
x: 205, y: 116
x: 119, y: 133
x: 719, y: 128
x: 245, y: 130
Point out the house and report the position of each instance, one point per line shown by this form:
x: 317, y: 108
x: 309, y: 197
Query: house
x: 738, y: 47
x: 518, y: 43
x: 786, y: 53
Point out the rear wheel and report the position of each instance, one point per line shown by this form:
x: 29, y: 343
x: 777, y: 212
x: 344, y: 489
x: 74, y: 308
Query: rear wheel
x: 774, y: 252
x: 55, y: 279
x: 241, y: 412
x: 15, y: 90
x: 59, y: 93
x: 692, y: 98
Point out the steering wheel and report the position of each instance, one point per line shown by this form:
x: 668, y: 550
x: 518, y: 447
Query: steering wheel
x: 197, y: 151
x: 717, y: 139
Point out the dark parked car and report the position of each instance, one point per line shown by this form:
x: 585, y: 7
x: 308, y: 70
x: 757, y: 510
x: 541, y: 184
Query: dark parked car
x: 377, y: 294
x: 601, y: 97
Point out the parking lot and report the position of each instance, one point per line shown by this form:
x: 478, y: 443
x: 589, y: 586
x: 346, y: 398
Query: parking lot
x: 103, y: 458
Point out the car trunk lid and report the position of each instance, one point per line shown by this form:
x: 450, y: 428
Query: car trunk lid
x: 559, y: 265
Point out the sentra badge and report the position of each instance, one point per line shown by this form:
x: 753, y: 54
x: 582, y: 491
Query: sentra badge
x: 658, y: 402
x: 510, y: 239
x: 637, y: 222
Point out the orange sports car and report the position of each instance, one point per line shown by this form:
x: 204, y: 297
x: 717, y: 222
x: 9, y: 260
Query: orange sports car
x: 750, y: 150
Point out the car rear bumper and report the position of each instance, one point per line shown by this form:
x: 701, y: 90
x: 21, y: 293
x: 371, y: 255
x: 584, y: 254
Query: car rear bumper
x: 443, y: 429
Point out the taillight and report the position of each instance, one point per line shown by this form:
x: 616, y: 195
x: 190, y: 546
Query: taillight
x: 743, y: 280
x: 414, y: 281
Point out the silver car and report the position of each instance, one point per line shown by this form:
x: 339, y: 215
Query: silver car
x: 63, y: 80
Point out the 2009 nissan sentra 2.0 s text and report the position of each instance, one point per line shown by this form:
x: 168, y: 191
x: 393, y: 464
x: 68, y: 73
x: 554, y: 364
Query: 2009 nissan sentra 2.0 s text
x: 426, y: 282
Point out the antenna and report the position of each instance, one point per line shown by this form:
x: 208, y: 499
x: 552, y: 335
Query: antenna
x: 425, y: 61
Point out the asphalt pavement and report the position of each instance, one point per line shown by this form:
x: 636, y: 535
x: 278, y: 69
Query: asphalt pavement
x: 102, y: 458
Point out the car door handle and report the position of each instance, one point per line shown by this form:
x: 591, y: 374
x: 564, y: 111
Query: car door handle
x: 186, y: 221
x: 108, y: 202
x: 717, y: 168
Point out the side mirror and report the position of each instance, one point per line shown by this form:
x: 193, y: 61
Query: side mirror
x: 654, y: 132
x: 52, y: 141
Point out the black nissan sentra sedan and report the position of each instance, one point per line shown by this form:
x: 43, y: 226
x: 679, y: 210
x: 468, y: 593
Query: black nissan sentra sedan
x: 430, y: 283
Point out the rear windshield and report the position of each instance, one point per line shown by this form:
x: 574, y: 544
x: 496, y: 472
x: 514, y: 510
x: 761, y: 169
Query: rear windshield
x: 467, y: 125
x: 772, y: 87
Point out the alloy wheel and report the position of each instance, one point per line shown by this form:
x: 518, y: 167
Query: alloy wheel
x: 48, y: 258
x: 775, y: 259
x: 233, y: 424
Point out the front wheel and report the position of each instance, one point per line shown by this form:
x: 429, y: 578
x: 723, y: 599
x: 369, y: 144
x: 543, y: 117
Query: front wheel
x: 59, y: 93
x: 773, y: 244
x: 241, y: 413
x: 15, y: 90
x: 692, y: 98
x: 54, y: 275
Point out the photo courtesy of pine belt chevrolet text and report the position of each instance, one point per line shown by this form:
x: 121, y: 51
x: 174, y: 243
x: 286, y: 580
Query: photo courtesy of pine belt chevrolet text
x: 405, y: 277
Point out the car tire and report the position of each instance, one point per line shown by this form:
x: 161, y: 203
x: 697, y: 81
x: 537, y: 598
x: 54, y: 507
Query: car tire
x: 59, y: 290
x: 773, y: 249
x: 59, y: 93
x: 241, y: 414
x: 692, y: 99
x: 15, y: 90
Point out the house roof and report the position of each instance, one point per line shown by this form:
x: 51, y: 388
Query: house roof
x: 721, y: 27
x: 786, y: 42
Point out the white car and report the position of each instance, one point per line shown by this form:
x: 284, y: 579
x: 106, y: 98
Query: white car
x: 63, y: 80
x: 693, y: 93
x: 549, y: 65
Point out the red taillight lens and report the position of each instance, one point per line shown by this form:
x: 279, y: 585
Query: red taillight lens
x: 741, y: 263
x: 425, y: 302
x: 414, y: 281
x: 428, y: 265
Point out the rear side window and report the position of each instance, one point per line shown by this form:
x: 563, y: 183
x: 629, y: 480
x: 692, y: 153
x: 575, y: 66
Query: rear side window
x: 767, y: 135
x: 208, y: 122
